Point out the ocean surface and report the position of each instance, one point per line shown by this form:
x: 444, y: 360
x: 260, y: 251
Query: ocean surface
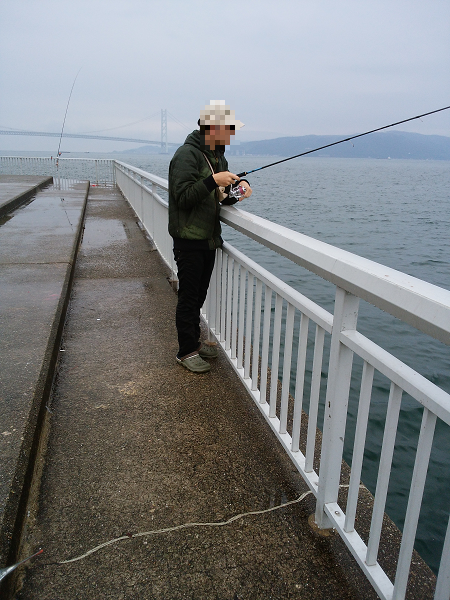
x: 394, y: 212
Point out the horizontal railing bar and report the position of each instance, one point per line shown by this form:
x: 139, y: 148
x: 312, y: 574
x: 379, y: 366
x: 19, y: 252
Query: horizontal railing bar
x: 315, y: 312
x: 76, y: 158
x: 60, y: 158
x: 411, y: 382
x: 160, y: 181
x: 146, y: 188
x: 423, y: 305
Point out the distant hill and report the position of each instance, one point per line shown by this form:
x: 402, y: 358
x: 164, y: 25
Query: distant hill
x: 389, y: 144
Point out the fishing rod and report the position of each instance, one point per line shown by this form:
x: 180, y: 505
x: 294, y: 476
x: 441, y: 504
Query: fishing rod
x: 244, y: 173
x: 7, y: 570
x: 67, y: 108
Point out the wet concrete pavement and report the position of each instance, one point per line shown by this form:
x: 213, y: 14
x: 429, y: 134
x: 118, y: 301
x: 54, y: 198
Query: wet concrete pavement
x: 37, y: 251
x: 137, y: 444
x: 17, y: 189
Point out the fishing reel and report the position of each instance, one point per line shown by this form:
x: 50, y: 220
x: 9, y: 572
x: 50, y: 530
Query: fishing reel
x: 237, y: 191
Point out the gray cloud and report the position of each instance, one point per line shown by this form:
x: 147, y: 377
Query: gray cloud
x: 287, y: 68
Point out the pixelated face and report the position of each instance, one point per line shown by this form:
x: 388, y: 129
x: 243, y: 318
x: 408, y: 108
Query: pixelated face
x: 219, y: 123
x: 219, y: 135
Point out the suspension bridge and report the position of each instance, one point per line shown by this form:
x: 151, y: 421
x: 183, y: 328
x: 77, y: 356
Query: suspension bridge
x: 86, y: 136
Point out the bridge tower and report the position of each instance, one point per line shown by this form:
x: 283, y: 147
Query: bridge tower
x: 164, y: 149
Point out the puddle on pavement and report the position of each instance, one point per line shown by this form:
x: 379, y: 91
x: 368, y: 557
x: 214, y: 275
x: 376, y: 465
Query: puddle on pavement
x: 67, y: 184
x: 8, y: 216
x: 101, y: 232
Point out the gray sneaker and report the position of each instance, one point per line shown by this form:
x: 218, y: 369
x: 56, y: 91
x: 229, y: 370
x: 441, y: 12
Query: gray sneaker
x: 195, y: 364
x: 208, y: 351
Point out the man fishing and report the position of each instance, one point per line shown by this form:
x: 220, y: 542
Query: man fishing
x: 199, y: 182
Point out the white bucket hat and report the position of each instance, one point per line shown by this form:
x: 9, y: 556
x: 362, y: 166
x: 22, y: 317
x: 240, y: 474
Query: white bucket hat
x: 218, y: 113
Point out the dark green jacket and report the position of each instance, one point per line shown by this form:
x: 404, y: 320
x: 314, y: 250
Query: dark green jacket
x: 193, y: 204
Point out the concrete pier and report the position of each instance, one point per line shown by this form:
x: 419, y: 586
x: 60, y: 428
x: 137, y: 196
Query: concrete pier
x: 37, y: 252
x: 16, y: 190
x: 133, y: 444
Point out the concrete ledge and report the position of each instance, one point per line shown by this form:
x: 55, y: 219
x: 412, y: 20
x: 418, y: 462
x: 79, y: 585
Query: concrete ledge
x: 15, y: 190
x: 38, y: 248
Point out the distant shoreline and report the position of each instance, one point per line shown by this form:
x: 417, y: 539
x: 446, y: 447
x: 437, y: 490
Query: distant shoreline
x: 381, y: 145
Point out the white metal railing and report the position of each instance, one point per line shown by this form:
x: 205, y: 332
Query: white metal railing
x: 141, y: 190
x: 248, y: 307
x: 261, y: 322
x: 98, y: 171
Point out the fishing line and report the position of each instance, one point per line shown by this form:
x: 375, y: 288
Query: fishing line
x: 7, y: 570
x: 244, y: 173
x: 67, y: 108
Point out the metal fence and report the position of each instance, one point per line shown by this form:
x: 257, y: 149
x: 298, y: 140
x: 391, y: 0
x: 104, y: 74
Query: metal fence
x: 143, y: 191
x: 259, y: 321
x: 267, y: 329
x: 98, y: 171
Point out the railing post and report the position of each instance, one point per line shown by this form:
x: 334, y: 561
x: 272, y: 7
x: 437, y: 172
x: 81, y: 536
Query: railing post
x: 338, y: 385
x: 141, y: 189
x: 153, y: 229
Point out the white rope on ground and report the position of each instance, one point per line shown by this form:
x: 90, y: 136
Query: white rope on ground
x: 190, y: 525
x: 185, y: 526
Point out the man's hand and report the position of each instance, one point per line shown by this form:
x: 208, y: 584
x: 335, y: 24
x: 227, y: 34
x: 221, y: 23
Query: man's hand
x: 225, y: 178
x: 248, y: 191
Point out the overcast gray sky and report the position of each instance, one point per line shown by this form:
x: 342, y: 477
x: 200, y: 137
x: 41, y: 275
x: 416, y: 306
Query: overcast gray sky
x: 286, y: 67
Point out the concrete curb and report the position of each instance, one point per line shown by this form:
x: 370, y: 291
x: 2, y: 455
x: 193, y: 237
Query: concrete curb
x: 24, y: 196
x: 15, y: 509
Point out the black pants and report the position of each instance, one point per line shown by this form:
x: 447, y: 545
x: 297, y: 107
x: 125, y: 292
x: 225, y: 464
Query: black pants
x: 194, y: 273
